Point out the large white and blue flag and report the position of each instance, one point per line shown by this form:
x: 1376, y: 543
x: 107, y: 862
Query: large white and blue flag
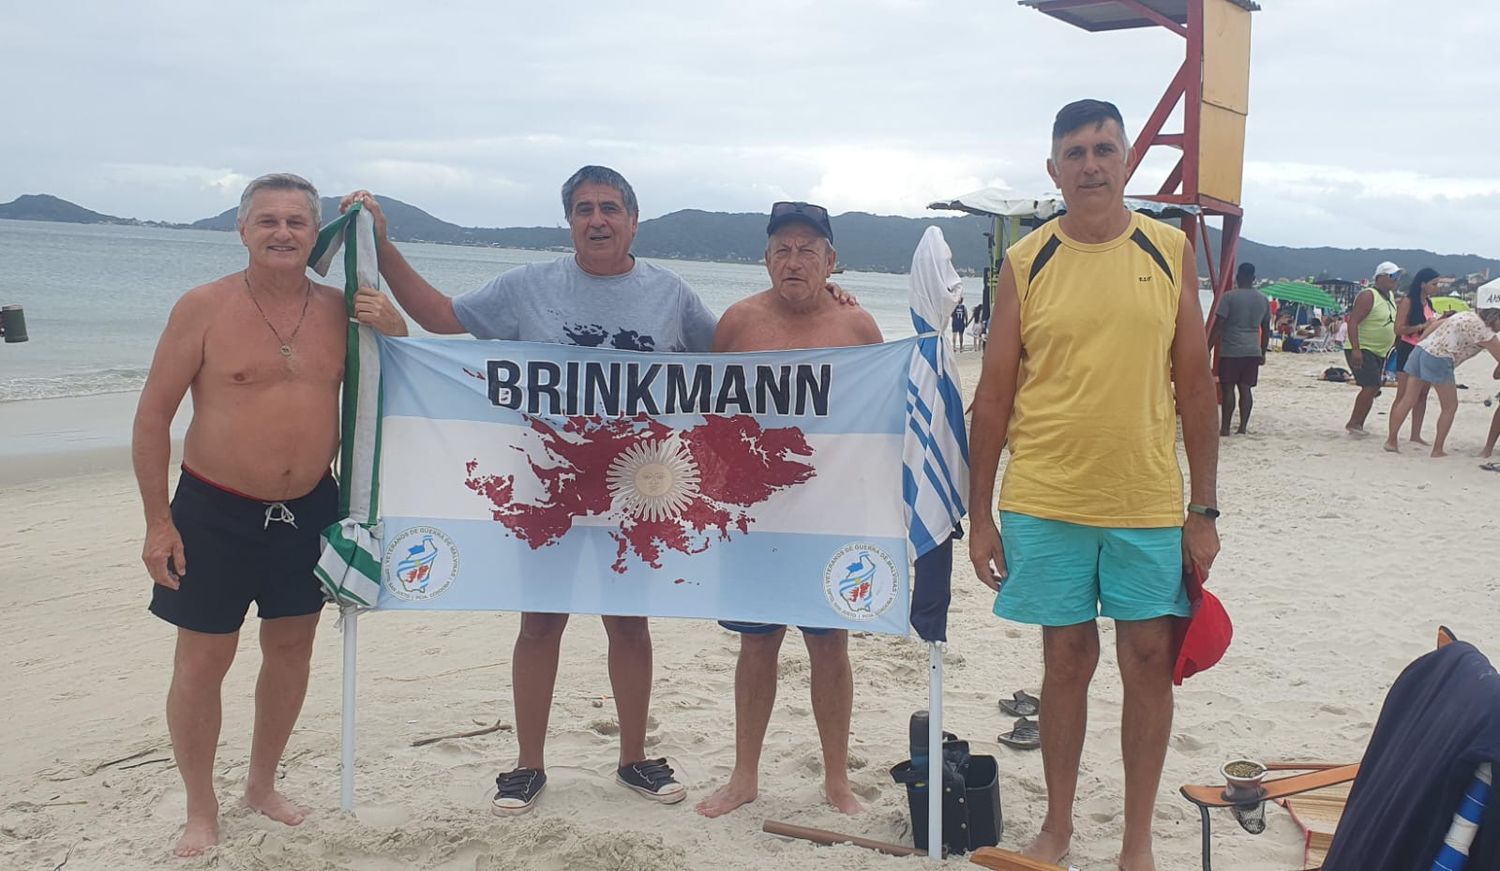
x: 755, y: 487
x: 789, y: 486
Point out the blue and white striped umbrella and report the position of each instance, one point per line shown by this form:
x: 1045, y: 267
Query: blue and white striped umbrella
x: 936, y: 477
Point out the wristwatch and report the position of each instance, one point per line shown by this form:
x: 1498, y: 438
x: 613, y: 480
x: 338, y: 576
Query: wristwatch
x: 1210, y: 513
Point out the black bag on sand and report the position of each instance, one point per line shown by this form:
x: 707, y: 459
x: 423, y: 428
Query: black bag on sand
x: 1336, y: 373
x: 971, y: 798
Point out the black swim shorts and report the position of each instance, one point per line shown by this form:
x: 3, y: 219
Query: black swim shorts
x: 241, y: 550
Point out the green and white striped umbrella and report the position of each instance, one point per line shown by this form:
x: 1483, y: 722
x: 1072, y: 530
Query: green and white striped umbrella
x: 349, y: 568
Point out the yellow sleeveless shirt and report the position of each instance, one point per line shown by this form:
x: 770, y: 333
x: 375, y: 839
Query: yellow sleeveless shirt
x: 1093, y: 432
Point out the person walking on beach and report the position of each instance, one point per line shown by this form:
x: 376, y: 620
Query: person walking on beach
x: 1412, y: 314
x: 1092, y: 516
x: 1243, y: 325
x: 1372, y: 332
x: 960, y: 323
x: 1449, y: 342
x: 262, y: 350
x: 794, y: 313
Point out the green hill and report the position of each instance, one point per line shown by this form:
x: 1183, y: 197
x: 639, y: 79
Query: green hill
x: 878, y: 243
x: 45, y: 207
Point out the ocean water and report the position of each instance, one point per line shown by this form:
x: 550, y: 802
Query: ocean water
x: 97, y: 297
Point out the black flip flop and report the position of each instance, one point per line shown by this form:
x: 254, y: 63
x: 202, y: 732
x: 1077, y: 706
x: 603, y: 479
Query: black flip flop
x: 1490, y: 467
x: 1021, y: 704
x: 1024, y: 736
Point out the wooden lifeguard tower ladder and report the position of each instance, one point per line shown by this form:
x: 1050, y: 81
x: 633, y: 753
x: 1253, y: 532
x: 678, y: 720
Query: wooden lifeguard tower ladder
x: 1213, y: 86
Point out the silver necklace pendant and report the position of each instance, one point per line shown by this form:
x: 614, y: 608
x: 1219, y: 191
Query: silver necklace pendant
x: 286, y: 350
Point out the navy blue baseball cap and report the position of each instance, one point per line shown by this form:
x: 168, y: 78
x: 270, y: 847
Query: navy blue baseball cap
x: 787, y: 212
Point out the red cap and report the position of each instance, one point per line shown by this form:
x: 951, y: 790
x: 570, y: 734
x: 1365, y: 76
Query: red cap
x: 1203, y: 637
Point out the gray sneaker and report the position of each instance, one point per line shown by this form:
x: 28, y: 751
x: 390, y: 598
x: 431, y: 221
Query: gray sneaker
x: 653, y: 779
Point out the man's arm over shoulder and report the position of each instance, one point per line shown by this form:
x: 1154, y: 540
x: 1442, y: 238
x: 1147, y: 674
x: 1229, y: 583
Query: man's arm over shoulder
x: 427, y: 305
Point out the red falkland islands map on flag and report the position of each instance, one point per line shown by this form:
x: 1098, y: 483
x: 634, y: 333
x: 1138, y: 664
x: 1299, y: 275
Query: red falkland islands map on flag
x: 678, y: 490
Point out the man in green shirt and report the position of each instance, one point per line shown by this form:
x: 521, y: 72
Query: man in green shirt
x: 1372, y: 334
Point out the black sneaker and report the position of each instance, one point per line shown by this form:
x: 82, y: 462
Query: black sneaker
x: 653, y: 779
x: 516, y: 791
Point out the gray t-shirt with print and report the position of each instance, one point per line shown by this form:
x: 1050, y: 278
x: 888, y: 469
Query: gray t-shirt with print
x: 646, y: 309
x: 1244, y: 312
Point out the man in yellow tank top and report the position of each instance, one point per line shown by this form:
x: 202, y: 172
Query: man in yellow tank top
x: 1096, y: 320
x: 1372, y: 334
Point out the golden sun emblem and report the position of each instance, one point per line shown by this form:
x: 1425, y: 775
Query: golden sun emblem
x: 653, y: 480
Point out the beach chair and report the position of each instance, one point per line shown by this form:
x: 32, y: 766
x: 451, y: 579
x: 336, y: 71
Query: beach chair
x: 1451, y: 855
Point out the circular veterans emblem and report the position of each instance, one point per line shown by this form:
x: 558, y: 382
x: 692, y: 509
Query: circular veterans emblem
x: 420, y: 564
x: 654, y: 480
x: 860, y: 581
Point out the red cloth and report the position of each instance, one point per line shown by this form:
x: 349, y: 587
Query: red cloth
x: 1203, y: 637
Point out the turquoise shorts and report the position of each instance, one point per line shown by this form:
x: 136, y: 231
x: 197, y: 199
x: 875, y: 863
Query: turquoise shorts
x: 1060, y: 574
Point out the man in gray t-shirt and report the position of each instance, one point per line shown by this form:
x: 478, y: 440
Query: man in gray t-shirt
x: 646, y: 308
x: 1244, y: 325
x: 600, y: 295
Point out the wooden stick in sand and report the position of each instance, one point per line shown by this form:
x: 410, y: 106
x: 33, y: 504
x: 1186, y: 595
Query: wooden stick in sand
x: 828, y: 838
x: 500, y: 726
x: 1005, y: 860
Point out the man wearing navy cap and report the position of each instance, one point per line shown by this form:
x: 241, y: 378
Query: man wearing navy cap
x: 796, y: 312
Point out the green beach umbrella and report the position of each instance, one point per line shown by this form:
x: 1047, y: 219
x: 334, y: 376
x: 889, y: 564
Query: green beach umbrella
x: 1448, y: 304
x: 1301, y: 292
x: 349, y: 568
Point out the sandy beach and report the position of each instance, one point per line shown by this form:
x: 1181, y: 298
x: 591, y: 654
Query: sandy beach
x: 1339, y: 561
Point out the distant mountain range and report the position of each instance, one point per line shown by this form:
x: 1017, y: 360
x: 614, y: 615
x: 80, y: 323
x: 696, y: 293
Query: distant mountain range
x: 876, y: 243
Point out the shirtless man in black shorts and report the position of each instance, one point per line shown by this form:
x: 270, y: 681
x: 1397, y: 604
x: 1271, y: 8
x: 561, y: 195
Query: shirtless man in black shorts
x: 263, y: 353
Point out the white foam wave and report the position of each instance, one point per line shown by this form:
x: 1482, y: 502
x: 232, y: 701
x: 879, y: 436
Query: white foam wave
x: 121, y: 380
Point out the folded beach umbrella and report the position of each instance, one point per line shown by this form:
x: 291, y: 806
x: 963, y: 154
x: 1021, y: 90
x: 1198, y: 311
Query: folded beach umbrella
x: 936, y: 477
x: 349, y: 568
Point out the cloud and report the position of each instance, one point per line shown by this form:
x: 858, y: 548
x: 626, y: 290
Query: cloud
x: 164, y: 109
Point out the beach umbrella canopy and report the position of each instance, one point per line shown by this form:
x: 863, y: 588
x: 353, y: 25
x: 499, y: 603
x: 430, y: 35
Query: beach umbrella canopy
x: 1297, y: 291
x: 1448, y: 304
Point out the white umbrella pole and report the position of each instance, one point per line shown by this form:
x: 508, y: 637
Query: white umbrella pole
x: 346, y: 740
x: 935, y: 752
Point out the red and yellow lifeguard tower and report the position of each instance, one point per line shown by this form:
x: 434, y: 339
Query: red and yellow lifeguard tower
x: 1213, y: 87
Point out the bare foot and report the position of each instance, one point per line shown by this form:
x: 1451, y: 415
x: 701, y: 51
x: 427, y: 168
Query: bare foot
x: 1224, y: 431
x: 1485, y: 455
x: 732, y: 795
x: 1137, y: 861
x: 198, y: 835
x: 1439, y: 453
x: 1418, y: 440
x: 1392, y: 447
x: 843, y: 800
x: 278, y: 807
x: 1355, y: 430
x: 1241, y: 431
x: 1049, y: 846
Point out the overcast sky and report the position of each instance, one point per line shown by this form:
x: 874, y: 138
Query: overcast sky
x: 1372, y: 122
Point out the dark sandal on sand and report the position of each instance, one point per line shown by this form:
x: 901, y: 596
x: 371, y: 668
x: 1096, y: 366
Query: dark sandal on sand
x: 1024, y: 736
x: 1021, y: 704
